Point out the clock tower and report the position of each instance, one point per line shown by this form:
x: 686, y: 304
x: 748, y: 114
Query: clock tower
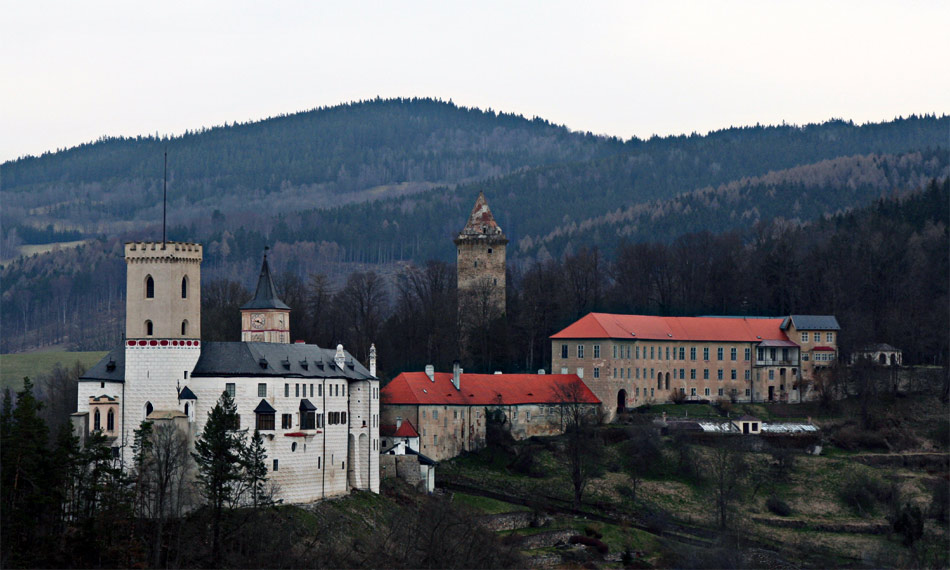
x: 265, y: 318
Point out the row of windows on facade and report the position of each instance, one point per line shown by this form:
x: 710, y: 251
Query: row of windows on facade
x: 679, y: 353
x: 692, y: 391
x: 150, y: 329
x: 829, y: 337
x: 316, y: 390
x: 635, y: 374
x: 307, y: 420
x: 150, y: 287
x: 293, y: 447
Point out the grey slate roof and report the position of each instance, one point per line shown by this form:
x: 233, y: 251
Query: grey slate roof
x: 268, y: 359
x: 187, y: 394
x: 812, y: 322
x: 264, y: 408
x: 110, y: 369
x: 266, y: 295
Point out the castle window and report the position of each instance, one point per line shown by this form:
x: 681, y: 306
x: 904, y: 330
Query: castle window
x: 148, y: 409
x: 265, y: 421
x: 229, y: 388
x: 275, y: 465
x: 149, y: 287
x: 110, y: 420
x: 563, y: 351
x: 308, y: 420
x: 476, y: 264
x: 184, y: 328
x: 96, y: 422
x: 286, y: 421
x: 184, y: 287
x: 148, y: 328
x: 262, y: 390
x: 489, y: 251
x: 692, y: 353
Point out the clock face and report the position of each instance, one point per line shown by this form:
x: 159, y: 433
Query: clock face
x: 257, y: 321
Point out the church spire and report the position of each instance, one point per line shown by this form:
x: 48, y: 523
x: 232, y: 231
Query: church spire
x: 266, y: 295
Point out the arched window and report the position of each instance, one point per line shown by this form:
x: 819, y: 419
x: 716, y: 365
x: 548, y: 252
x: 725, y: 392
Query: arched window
x: 110, y: 421
x: 148, y: 409
x: 184, y: 328
x: 96, y: 421
x: 148, y: 328
x: 149, y: 287
x: 187, y: 407
x: 184, y: 287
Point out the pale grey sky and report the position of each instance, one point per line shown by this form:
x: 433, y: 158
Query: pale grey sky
x: 74, y: 71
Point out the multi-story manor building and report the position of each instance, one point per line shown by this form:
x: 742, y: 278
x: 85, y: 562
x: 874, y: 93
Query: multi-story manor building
x: 449, y: 410
x: 318, y: 409
x: 480, y: 264
x: 630, y: 360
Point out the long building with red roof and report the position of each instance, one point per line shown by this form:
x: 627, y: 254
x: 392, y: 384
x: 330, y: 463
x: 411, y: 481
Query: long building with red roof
x: 630, y: 360
x: 450, y: 408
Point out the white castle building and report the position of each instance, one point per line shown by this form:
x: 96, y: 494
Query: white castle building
x: 318, y: 409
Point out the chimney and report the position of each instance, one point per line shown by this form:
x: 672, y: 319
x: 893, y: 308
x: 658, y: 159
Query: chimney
x: 339, y: 358
x: 398, y: 422
x: 541, y: 371
x: 372, y: 360
x: 498, y: 372
x: 456, y: 375
x: 430, y: 372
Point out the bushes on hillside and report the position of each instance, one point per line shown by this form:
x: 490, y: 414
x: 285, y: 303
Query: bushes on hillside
x: 778, y: 506
x: 862, y: 493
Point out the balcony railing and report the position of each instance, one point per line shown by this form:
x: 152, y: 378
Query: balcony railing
x: 777, y: 362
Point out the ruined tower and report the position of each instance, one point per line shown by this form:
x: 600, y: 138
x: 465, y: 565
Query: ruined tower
x: 480, y: 264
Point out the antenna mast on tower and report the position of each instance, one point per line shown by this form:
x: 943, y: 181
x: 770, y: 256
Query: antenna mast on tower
x: 164, y: 195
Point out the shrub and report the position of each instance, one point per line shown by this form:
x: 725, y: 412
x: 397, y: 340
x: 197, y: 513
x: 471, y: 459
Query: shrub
x: 778, y: 506
x: 590, y: 542
x: 851, y: 438
x: 861, y: 492
x: 940, y: 434
x: 940, y: 501
x: 909, y: 523
x: 593, y: 531
x: 678, y: 397
x: 724, y: 405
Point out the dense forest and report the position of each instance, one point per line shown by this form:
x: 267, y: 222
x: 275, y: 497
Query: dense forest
x: 380, y: 188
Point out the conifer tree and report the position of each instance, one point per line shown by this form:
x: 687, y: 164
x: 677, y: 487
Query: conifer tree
x: 255, y: 470
x: 218, y: 453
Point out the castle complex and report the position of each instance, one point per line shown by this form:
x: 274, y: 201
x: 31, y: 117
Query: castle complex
x: 631, y: 360
x: 317, y: 409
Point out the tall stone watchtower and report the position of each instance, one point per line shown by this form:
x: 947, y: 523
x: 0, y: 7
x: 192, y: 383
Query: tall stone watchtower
x: 265, y: 318
x: 163, y: 290
x: 481, y: 262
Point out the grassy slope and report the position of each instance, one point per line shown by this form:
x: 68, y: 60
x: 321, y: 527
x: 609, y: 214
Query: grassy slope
x: 812, y: 490
x: 13, y: 367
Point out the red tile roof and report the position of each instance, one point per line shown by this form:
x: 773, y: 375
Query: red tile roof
x: 486, y: 389
x: 647, y: 327
x: 823, y: 349
x: 404, y: 430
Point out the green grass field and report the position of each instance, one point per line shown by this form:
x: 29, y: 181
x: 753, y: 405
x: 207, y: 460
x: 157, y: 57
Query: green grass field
x: 13, y: 367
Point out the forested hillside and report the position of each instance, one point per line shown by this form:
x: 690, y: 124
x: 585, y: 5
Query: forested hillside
x: 314, y: 159
x: 377, y: 185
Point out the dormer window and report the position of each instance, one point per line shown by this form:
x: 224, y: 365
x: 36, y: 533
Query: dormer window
x: 149, y: 287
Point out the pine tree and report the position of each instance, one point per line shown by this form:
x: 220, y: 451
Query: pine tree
x: 255, y: 470
x: 218, y: 453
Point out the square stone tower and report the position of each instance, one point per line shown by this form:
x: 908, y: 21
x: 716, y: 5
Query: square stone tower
x: 163, y: 290
x: 481, y: 263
